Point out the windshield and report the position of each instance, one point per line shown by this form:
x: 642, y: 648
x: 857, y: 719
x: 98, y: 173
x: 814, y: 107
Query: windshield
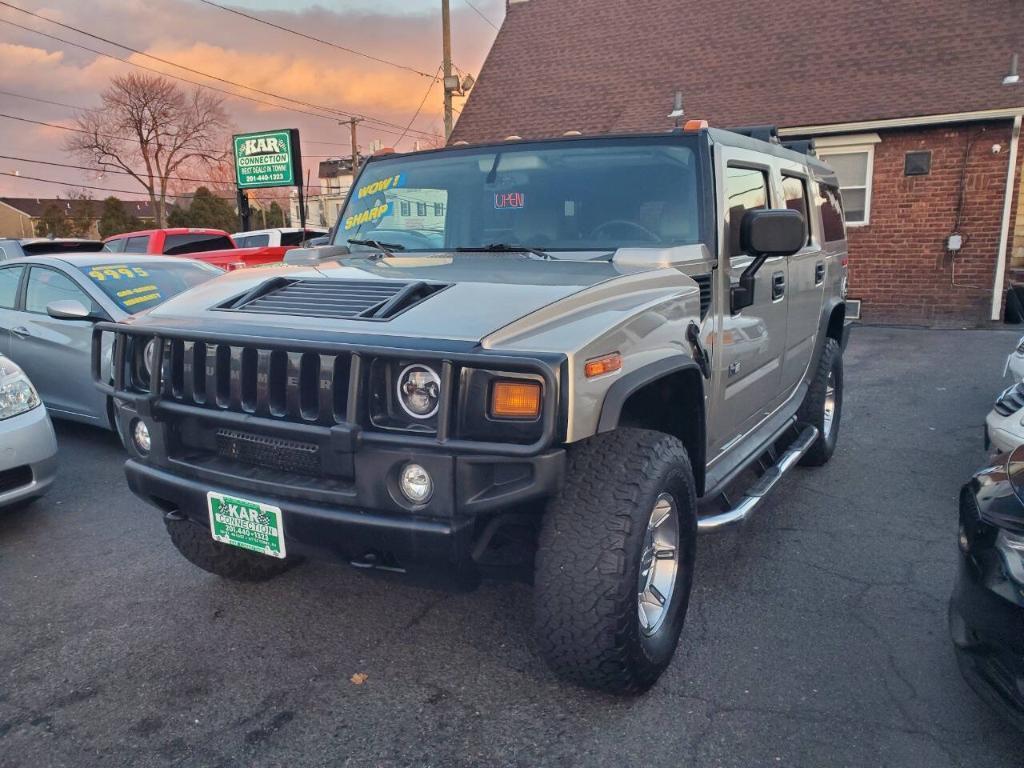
x: 568, y: 196
x: 142, y: 285
x: 62, y: 246
x: 176, y: 245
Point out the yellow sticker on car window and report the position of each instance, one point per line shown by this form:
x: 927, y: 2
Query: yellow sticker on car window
x: 116, y: 272
x: 381, y: 185
x: 370, y: 214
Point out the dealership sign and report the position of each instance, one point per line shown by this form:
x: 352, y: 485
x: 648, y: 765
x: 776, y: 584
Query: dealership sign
x: 268, y: 159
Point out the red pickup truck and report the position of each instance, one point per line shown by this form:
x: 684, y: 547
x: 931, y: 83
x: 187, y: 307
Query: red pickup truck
x: 214, y: 246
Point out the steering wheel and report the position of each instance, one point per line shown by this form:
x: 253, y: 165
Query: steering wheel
x: 645, y: 233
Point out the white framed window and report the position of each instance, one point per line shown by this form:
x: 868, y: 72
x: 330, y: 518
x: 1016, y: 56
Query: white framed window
x: 853, y: 159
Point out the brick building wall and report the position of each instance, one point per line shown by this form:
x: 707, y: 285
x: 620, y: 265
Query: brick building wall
x: 899, y: 265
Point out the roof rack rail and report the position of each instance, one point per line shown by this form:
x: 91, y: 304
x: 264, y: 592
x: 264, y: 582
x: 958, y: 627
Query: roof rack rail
x: 803, y: 146
x: 769, y: 133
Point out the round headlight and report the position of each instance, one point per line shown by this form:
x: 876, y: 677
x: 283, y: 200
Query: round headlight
x: 140, y: 434
x: 416, y: 484
x: 419, y: 391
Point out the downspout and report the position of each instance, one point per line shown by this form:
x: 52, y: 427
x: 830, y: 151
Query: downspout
x: 1004, y: 232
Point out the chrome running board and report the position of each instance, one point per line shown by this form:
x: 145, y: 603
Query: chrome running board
x: 756, y: 493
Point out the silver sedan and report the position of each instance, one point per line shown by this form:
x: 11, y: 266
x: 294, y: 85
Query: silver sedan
x: 48, y: 305
x: 28, y: 448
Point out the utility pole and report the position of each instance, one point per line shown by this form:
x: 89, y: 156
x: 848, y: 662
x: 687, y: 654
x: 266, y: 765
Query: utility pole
x: 353, y: 121
x: 446, y: 35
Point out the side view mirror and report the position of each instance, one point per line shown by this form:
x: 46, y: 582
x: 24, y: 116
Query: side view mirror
x: 68, y: 309
x: 765, y: 233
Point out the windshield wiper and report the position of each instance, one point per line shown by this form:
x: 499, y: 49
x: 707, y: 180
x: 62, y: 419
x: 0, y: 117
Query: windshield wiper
x: 388, y: 248
x: 504, y: 248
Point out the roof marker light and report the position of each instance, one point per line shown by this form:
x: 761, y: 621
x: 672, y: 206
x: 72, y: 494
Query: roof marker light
x: 692, y: 126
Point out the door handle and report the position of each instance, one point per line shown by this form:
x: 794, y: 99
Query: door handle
x: 819, y: 273
x: 778, y: 285
x: 21, y: 332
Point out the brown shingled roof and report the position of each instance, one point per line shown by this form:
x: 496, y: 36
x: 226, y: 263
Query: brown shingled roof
x: 612, y: 66
x: 34, y: 206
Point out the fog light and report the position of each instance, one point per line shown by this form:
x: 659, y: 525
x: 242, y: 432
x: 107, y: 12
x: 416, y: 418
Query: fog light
x: 140, y: 434
x: 415, y: 483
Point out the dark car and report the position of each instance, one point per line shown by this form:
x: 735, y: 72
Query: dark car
x: 15, y: 248
x: 986, y: 611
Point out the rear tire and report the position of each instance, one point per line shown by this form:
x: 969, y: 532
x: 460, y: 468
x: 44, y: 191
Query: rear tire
x: 198, y: 547
x: 824, y: 397
x: 596, y: 554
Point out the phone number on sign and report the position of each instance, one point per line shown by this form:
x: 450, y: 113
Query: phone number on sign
x: 251, y: 178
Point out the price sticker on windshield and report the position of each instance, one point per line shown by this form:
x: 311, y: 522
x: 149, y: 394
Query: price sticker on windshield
x: 116, y: 272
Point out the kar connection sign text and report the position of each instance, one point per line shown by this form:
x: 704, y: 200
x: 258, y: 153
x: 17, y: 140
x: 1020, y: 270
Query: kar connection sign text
x: 268, y: 159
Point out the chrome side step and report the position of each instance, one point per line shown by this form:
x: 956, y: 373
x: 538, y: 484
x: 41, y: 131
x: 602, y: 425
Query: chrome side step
x: 756, y: 493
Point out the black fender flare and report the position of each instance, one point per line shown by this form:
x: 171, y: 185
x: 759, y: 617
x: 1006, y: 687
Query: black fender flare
x: 828, y: 308
x: 619, y: 392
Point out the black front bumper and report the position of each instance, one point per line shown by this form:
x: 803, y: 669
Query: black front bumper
x: 361, y: 519
x: 986, y: 623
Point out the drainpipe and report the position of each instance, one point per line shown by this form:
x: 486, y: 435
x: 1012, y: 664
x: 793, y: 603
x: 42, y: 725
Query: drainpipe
x: 1004, y: 232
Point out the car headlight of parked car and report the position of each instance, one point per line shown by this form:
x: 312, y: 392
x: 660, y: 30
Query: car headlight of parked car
x: 17, y: 395
x: 1011, y: 548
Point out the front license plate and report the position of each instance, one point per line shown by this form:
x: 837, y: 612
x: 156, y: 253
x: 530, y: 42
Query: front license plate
x: 246, y: 524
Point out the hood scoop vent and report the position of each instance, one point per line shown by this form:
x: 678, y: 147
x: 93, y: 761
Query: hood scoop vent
x: 341, y: 299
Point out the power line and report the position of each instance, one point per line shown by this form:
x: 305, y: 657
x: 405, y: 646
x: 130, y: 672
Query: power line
x: 418, y: 109
x: 79, y: 107
x: 41, y: 101
x: 111, y: 136
x: 72, y: 184
x: 258, y: 20
x: 103, y: 171
x: 467, y: 2
x: 168, y: 62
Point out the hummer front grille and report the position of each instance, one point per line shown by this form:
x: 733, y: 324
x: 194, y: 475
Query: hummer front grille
x: 307, y: 387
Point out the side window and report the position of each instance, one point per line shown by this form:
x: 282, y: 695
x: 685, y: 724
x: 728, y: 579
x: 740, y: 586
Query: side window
x: 137, y: 244
x: 115, y: 246
x: 831, y: 213
x: 10, y: 277
x: 241, y: 242
x: 794, y: 195
x: 48, y: 285
x: 746, y: 189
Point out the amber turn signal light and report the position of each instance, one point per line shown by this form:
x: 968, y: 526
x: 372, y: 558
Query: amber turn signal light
x: 602, y: 365
x: 515, y: 400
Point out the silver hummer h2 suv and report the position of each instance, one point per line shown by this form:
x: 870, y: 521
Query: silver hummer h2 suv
x: 559, y: 360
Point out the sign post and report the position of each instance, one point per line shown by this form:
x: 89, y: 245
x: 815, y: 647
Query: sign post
x: 268, y: 159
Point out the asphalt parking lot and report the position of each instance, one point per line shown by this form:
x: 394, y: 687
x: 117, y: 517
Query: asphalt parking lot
x: 816, y: 636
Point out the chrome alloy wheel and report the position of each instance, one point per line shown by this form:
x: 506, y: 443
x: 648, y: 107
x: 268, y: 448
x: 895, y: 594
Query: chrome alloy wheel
x: 659, y: 563
x: 830, y: 404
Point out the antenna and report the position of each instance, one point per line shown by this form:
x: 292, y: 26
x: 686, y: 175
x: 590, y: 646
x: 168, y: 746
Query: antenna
x: 677, y: 109
x: 1013, y: 78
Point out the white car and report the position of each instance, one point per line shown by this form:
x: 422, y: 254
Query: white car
x: 288, y: 237
x: 28, y: 447
x: 1015, y: 362
x: 1004, y: 425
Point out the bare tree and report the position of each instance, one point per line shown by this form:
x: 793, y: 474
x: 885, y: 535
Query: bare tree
x: 154, y: 131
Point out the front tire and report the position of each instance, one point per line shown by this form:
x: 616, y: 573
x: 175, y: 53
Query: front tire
x: 823, y: 404
x: 610, y: 593
x: 194, y: 542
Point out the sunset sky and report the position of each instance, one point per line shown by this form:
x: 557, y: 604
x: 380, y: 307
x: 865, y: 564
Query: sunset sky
x: 225, y: 45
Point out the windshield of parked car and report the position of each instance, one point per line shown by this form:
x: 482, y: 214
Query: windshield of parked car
x: 143, y: 285
x: 554, y: 196
x: 176, y: 245
x: 62, y: 246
